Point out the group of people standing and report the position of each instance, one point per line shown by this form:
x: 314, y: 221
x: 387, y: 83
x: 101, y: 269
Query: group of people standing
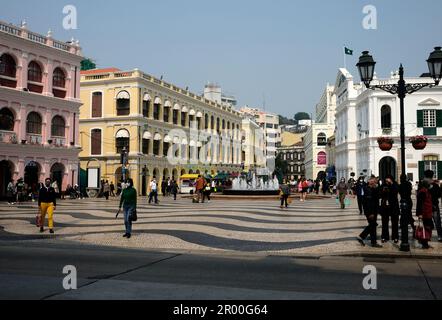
x: 22, y: 191
x: 391, y: 201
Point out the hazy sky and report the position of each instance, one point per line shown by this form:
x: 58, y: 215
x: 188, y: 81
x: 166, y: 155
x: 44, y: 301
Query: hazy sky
x: 285, y: 50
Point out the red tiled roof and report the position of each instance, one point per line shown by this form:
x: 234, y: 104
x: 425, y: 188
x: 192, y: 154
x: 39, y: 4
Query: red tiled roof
x: 95, y: 71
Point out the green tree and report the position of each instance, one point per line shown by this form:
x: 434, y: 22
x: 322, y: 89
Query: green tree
x: 286, y: 121
x: 87, y: 64
x: 302, y: 116
x: 281, y: 168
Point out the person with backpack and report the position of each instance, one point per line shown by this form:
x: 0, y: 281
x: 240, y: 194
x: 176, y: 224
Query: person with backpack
x: 284, y: 193
x: 342, y: 190
x: 128, y: 202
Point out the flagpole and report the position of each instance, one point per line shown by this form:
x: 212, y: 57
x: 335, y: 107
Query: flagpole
x: 345, y: 58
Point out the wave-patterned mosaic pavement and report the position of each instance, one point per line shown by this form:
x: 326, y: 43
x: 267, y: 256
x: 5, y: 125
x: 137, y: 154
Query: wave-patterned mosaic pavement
x: 316, y: 227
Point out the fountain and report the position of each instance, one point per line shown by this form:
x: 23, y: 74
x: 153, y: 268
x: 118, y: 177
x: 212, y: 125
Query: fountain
x: 254, y: 184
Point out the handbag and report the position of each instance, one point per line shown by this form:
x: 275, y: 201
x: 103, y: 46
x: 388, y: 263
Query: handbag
x: 133, y: 215
x: 422, y: 233
x: 347, y: 202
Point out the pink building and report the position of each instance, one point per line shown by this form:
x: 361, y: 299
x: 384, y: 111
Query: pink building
x: 39, y: 107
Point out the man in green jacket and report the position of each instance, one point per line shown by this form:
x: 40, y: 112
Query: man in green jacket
x: 129, y: 203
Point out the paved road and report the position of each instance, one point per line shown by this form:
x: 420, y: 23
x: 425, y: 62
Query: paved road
x: 316, y: 227
x: 34, y: 271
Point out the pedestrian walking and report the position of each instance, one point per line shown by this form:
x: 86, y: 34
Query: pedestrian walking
x: 47, y: 203
x: 128, y: 202
x: 406, y: 204
x: 174, y: 188
x: 424, y: 211
x: 20, y: 190
x: 359, y: 190
x: 390, y: 209
x: 164, y: 187
x: 106, y: 189
x: 303, y: 186
x: 284, y: 194
x: 169, y: 187
x: 199, y: 188
x: 112, y: 189
x: 342, y: 190
x: 435, y: 192
x: 325, y: 186
x: 370, y: 201
x: 153, y: 195
x: 119, y: 188
x: 11, y: 192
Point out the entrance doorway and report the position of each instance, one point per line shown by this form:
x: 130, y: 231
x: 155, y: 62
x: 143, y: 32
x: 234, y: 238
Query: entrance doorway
x: 387, y: 166
x: 57, y: 173
x: 32, y: 175
x: 6, y: 169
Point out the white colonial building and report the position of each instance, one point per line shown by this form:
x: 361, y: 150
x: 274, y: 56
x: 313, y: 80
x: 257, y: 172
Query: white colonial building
x: 362, y: 116
x: 316, y: 138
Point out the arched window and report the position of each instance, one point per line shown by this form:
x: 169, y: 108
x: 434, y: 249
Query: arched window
x: 59, y: 78
x: 34, y: 72
x: 123, y: 103
x: 156, y: 108
x: 146, y: 105
x: 322, y: 139
x: 206, y: 122
x: 96, y: 142
x: 33, y: 123
x: 58, y: 127
x: 8, y: 67
x: 122, y: 140
x: 212, y: 122
x: 147, y: 136
x: 386, y: 117
x: 6, y: 120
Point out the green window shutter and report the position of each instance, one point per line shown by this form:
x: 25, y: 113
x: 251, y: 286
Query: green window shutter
x: 439, y: 118
x: 430, y: 131
x: 421, y: 170
x: 439, y: 170
x: 420, y: 118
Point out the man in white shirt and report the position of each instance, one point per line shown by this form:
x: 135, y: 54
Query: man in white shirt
x: 153, y: 191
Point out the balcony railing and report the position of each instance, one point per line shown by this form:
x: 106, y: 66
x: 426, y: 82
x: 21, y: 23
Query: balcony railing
x: 39, y: 38
x: 8, y: 137
x: 58, y: 142
x: 34, y: 139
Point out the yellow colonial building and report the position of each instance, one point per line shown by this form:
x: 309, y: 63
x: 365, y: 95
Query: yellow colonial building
x: 167, y: 131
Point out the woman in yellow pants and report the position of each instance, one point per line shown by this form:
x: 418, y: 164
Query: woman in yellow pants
x: 47, y: 204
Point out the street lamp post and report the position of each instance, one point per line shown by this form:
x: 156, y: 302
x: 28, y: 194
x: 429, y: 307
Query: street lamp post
x: 366, y: 66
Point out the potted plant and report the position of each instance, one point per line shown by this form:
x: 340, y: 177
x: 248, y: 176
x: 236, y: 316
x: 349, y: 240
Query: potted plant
x: 419, y: 142
x: 385, y: 143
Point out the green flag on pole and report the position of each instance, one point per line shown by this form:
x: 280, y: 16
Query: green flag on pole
x: 348, y: 51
